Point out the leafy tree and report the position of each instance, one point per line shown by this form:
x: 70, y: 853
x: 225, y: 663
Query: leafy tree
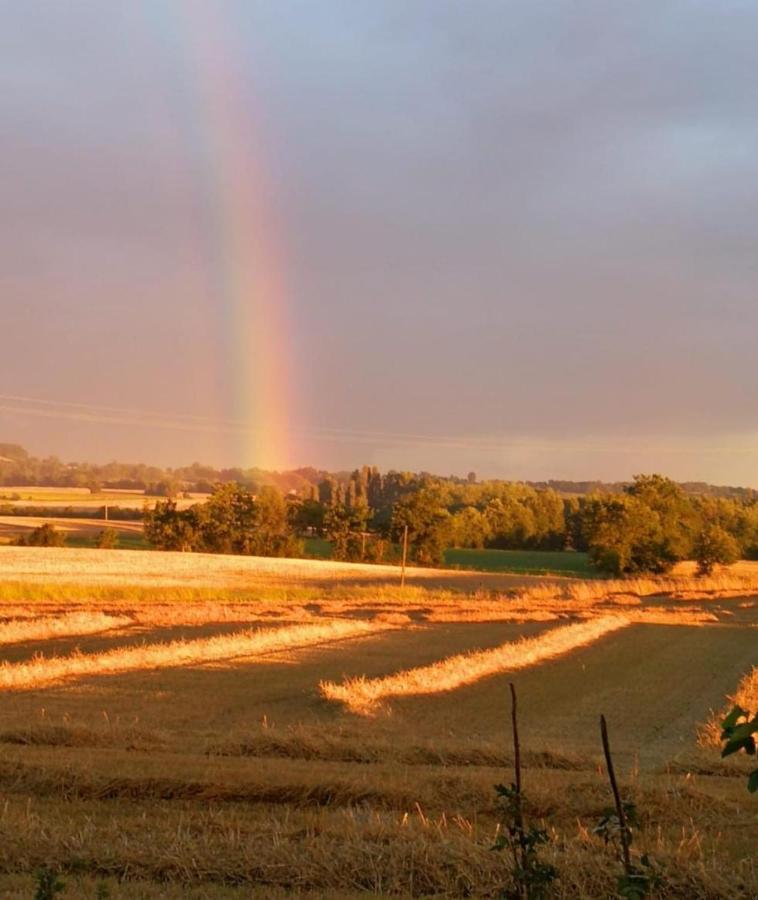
x: 469, y: 528
x: 715, y: 547
x: 344, y: 531
x: 46, y: 535
x: 169, y: 528
x: 232, y: 521
x: 624, y: 536
x: 272, y: 533
x: 308, y: 516
x: 428, y: 524
x: 677, y: 517
x: 107, y: 539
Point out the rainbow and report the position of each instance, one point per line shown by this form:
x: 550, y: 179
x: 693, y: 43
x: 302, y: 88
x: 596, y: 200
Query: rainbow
x: 245, y: 256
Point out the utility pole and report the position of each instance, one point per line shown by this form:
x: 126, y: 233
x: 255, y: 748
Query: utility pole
x: 405, y: 557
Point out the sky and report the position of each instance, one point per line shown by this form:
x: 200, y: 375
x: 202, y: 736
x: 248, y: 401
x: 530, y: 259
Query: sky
x: 516, y: 238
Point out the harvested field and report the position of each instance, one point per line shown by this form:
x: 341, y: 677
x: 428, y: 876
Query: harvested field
x: 362, y: 695
x: 162, y: 732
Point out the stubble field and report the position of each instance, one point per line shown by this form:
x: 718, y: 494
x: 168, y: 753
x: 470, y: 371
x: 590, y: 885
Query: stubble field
x: 193, y: 726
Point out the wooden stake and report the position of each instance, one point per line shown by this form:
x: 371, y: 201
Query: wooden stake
x: 616, y: 796
x: 405, y: 557
x: 516, y: 759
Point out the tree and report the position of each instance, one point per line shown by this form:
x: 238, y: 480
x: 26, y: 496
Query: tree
x: 107, y: 539
x: 469, y: 528
x: 232, y: 521
x: 169, y: 528
x: 677, y: 516
x: 715, y: 547
x: 624, y: 535
x: 46, y: 535
x: 272, y: 534
x: 428, y: 524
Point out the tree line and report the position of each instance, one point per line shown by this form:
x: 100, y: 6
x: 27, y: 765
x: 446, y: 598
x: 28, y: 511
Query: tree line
x: 647, y: 527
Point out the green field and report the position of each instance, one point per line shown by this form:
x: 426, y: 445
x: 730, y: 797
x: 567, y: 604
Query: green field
x: 532, y: 562
x: 525, y: 562
x: 126, y: 540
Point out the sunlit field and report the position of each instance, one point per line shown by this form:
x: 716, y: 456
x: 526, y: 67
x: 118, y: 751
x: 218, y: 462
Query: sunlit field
x: 187, y: 725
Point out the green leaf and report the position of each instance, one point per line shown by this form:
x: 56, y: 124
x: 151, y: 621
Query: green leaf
x: 734, y: 715
x: 752, y: 782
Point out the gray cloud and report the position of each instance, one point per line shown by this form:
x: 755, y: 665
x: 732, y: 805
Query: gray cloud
x: 522, y: 225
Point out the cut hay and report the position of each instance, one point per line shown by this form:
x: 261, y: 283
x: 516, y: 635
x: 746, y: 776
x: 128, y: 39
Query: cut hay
x: 362, y: 695
x: 44, y: 672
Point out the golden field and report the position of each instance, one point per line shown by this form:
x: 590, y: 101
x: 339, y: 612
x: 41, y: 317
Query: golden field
x: 180, y: 725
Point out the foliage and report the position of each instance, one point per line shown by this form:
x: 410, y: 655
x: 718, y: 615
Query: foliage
x: 715, y: 547
x: 616, y: 828
x: 677, y: 518
x: 46, y: 535
x: 48, y: 884
x: 738, y: 733
x: 624, y: 536
x: 232, y: 521
x: 532, y: 877
x: 344, y: 527
x: 428, y: 524
x: 107, y: 539
x: 645, y: 526
x: 637, y: 880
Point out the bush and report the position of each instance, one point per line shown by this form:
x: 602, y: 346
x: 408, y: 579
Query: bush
x: 107, y: 539
x: 715, y: 547
x: 45, y: 536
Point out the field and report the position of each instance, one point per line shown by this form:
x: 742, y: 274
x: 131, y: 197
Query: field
x: 185, y: 725
x: 79, y: 532
x: 530, y: 562
x: 82, y: 532
x: 82, y: 498
x: 527, y: 562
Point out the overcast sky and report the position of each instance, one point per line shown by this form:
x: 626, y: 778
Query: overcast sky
x: 518, y: 237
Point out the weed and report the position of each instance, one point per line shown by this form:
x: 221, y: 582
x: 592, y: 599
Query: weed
x: 738, y: 731
x: 531, y: 876
x: 48, y: 884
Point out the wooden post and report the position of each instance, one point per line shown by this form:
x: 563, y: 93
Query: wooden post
x: 623, y: 827
x: 405, y: 557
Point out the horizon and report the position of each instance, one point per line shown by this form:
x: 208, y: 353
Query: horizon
x: 420, y: 237
x: 462, y: 476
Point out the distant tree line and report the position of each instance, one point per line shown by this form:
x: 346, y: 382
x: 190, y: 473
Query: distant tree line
x: 647, y: 527
x: 18, y: 468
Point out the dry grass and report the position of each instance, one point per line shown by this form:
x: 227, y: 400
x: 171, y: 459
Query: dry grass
x: 746, y: 696
x: 361, y: 695
x: 45, y: 672
x: 220, y: 847
x: 220, y: 781
x: 75, y: 623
